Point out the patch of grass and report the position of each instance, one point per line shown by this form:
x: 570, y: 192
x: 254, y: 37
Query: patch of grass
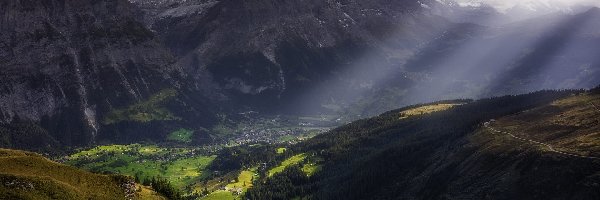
x: 219, y: 195
x: 425, y: 110
x: 96, y: 150
x: 25, y: 175
x: 294, y: 160
x: 181, y: 135
x: 286, y: 138
x: 310, y: 168
x: 146, y: 193
x: 184, y: 172
x: 245, y: 179
x: 234, y: 183
x: 281, y: 150
x: 146, y: 111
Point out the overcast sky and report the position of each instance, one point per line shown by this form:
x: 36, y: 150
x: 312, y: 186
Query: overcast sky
x: 506, y: 4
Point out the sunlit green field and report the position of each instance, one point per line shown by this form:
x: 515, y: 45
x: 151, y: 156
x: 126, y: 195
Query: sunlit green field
x: 281, y: 150
x: 310, y: 168
x: 245, y: 179
x: 181, y: 166
x: 426, y: 110
x: 294, y: 160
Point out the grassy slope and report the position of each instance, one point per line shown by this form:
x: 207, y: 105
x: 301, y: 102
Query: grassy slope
x: 25, y: 175
x: 146, y: 193
x: 294, y: 160
x: 243, y: 183
x: 281, y: 150
x: 219, y: 195
x: 500, y: 166
x: 310, y: 168
x: 571, y: 125
x: 244, y: 179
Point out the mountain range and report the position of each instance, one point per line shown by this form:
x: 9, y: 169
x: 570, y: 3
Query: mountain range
x: 299, y: 99
x: 82, y: 72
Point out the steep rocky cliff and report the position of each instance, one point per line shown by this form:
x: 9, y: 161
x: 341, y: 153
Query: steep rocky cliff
x: 65, y: 64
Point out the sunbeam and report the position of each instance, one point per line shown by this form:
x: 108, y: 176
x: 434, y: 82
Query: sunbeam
x: 551, y: 44
x: 455, y: 60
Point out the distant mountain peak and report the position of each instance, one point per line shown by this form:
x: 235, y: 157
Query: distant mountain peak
x: 593, y: 10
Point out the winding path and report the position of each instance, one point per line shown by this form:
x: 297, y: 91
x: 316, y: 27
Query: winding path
x: 550, y: 148
x: 598, y: 109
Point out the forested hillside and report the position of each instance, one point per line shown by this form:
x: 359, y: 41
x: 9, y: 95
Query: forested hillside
x: 446, y: 154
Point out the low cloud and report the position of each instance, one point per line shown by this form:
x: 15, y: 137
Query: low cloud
x: 534, y: 5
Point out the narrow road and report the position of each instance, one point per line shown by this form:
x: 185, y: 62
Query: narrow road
x: 550, y: 148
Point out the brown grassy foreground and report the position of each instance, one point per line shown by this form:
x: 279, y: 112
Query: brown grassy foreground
x: 569, y: 125
x: 26, y: 175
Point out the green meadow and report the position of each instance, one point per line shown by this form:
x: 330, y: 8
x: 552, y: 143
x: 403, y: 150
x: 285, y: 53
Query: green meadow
x: 181, y: 166
x: 294, y: 160
x: 244, y: 180
x: 281, y: 150
x: 310, y: 168
x: 219, y: 195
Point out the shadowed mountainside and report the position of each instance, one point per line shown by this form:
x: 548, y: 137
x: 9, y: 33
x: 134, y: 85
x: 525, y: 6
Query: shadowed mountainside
x: 66, y: 64
x: 451, y: 155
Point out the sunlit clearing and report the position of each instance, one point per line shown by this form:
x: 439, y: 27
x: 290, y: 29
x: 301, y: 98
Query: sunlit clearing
x: 423, y: 110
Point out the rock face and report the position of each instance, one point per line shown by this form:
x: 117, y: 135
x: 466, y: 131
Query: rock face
x: 271, y: 52
x: 66, y: 63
